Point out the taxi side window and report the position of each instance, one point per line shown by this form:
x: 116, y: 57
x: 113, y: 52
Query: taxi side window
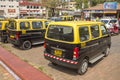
x: 84, y: 33
x: 46, y: 24
x: 37, y: 25
x: 95, y: 31
x: 69, y: 19
x: 0, y: 25
x: 12, y: 25
x: 6, y: 25
x: 103, y: 29
x: 24, y: 25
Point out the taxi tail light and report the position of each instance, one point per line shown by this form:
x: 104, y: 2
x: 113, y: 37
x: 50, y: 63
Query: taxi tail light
x: 17, y: 35
x: 75, y: 53
x: 44, y: 43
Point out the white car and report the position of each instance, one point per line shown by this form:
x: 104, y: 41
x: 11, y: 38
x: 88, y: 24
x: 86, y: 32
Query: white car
x: 109, y: 22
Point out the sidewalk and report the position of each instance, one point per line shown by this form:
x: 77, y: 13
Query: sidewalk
x: 21, y: 68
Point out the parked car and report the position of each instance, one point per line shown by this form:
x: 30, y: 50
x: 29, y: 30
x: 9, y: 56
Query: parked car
x: 3, y: 31
x: 27, y: 32
x: 75, y: 44
x: 112, y: 25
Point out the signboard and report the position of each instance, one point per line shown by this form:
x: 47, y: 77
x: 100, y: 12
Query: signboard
x: 113, y: 12
x: 110, y: 5
x: 11, y: 10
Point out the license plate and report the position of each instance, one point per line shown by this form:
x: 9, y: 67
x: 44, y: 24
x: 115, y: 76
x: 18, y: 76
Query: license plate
x: 58, y: 53
x: 12, y: 36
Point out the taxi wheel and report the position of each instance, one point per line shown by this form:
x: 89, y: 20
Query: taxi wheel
x: 54, y: 64
x: 5, y: 41
x: 107, y: 51
x: 26, y: 45
x: 83, y: 67
x: 15, y: 45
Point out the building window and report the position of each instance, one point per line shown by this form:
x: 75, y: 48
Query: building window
x: 28, y: 7
x: 34, y: 7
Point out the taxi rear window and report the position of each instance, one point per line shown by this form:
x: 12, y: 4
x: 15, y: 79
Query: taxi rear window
x: 64, y: 33
x: 0, y: 25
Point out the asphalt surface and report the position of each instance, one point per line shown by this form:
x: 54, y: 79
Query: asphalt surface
x: 107, y: 68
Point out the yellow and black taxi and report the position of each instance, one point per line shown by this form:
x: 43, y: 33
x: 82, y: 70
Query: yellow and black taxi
x: 3, y: 30
x: 27, y: 32
x: 75, y: 44
x: 67, y: 18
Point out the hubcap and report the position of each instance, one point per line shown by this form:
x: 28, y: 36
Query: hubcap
x: 27, y: 45
x: 84, y: 67
x: 107, y: 51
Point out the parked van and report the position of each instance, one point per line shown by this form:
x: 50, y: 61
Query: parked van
x: 27, y: 32
x: 3, y: 31
x: 75, y: 44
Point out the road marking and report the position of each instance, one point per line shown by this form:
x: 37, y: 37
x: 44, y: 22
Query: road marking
x: 10, y: 71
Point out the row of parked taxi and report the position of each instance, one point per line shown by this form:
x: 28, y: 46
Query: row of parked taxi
x: 72, y: 44
x: 23, y: 32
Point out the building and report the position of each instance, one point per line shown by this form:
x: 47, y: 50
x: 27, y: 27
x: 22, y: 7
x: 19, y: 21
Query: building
x: 9, y: 8
x: 102, y: 10
x: 71, y: 5
x: 31, y: 9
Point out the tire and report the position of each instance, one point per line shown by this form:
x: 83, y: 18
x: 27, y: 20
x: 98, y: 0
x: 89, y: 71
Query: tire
x: 83, y: 67
x: 26, y: 45
x: 54, y: 64
x: 107, y: 51
x: 15, y: 45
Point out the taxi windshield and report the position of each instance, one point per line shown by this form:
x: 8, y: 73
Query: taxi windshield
x: 104, y: 21
x: 64, y: 33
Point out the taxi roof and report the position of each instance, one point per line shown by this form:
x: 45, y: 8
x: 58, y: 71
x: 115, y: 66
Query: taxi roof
x: 28, y: 19
x: 73, y: 23
x: 4, y: 21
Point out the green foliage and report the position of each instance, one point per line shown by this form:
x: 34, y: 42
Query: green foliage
x: 30, y: 0
x: 92, y: 3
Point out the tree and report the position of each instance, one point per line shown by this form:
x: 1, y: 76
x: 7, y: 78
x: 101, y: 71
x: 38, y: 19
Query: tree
x: 79, y: 3
x: 52, y: 4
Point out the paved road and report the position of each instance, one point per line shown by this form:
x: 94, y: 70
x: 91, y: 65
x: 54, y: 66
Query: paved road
x: 106, y: 69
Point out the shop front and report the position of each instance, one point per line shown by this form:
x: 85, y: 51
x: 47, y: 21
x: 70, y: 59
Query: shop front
x: 108, y: 9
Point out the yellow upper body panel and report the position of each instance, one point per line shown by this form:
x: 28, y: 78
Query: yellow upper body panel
x: 18, y: 20
x: 75, y: 25
x: 17, y: 23
x: 3, y: 25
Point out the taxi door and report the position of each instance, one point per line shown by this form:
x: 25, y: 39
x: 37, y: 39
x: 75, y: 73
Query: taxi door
x: 95, y: 43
